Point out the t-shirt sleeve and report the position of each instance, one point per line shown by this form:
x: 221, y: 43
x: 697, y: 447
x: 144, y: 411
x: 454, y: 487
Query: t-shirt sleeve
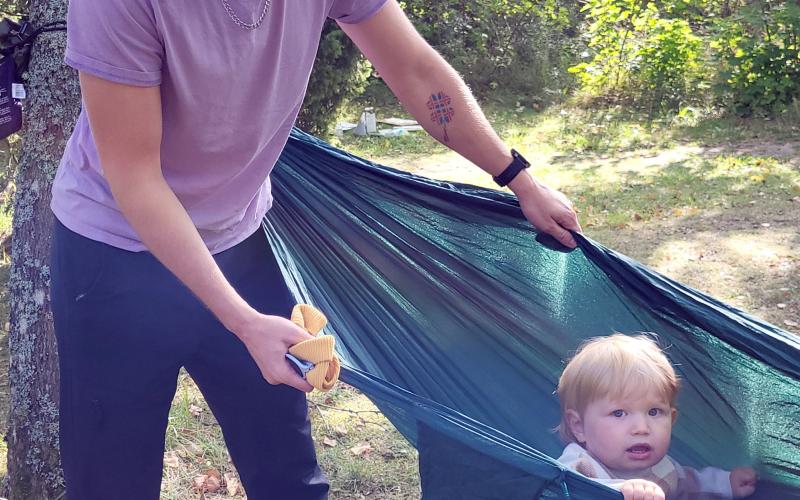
x: 354, y: 11
x: 116, y: 40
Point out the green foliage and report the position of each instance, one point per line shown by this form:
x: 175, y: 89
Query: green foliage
x: 13, y: 8
x: 649, y: 53
x: 611, y: 31
x: 667, y: 60
x: 503, y: 47
x: 510, y: 47
x: 339, y: 71
x: 638, y: 52
x: 759, y: 49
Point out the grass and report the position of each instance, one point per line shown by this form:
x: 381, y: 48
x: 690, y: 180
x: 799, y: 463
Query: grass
x: 575, y: 132
x: 347, y: 423
x: 357, y: 447
x: 711, y: 201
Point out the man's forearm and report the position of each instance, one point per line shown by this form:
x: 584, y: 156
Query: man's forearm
x: 173, y: 239
x: 438, y: 98
x: 441, y: 102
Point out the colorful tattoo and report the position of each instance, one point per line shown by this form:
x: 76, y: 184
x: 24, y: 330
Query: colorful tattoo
x: 441, y: 111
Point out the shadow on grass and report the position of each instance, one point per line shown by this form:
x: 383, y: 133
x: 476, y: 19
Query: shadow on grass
x: 724, y: 224
x: 745, y: 255
x: 620, y: 192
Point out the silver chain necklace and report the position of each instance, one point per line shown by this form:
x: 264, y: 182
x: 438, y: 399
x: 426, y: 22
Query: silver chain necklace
x: 242, y: 24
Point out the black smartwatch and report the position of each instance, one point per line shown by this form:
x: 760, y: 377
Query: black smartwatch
x: 517, y: 165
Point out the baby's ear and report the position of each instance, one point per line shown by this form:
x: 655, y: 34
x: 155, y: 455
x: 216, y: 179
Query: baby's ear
x: 575, y: 423
x: 674, y: 415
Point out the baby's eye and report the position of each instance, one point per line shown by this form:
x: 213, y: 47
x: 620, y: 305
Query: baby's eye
x: 618, y: 413
x: 654, y: 412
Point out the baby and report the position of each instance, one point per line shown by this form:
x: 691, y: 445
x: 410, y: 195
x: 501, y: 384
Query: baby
x: 617, y: 411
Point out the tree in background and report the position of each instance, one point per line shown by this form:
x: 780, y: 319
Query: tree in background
x: 340, y: 71
x: 519, y: 48
x: 503, y: 47
x: 51, y: 110
x: 741, y: 56
x: 759, y: 53
x: 638, y: 53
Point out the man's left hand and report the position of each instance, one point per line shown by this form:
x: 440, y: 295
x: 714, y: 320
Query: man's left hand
x: 547, y: 209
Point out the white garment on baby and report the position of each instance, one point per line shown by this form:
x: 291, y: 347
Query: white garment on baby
x: 678, y: 482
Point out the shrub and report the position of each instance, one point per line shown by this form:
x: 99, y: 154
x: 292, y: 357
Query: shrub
x: 759, y: 49
x: 339, y: 71
x: 638, y: 53
x: 499, y: 46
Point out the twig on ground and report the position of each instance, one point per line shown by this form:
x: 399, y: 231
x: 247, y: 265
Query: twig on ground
x: 357, y: 413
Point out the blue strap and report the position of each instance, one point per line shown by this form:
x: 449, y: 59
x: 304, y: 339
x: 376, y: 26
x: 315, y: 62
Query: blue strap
x: 301, y: 366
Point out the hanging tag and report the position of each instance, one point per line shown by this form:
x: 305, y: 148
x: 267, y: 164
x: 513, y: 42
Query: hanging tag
x: 18, y: 91
x: 10, y: 109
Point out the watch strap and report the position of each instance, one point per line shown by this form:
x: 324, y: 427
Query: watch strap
x: 518, y: 164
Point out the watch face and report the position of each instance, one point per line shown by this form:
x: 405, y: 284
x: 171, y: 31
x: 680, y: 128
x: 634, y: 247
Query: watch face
x: 519, y: 157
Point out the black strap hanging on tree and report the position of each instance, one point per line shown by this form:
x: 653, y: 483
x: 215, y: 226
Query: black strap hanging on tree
x: 16, y: 41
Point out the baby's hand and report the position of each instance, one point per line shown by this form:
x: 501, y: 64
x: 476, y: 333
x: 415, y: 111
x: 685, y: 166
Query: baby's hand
x: 743, y: 482
x: 640, y: 489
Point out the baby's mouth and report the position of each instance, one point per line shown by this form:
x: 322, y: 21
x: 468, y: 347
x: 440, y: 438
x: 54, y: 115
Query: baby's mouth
x: 639, y: 451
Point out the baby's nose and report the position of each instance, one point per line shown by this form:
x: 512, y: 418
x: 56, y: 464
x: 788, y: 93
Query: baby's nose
x: 640, y: 425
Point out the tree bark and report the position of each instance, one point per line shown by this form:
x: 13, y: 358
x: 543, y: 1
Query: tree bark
x: 34, y: 470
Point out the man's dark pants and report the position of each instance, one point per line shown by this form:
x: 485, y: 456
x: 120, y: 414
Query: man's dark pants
x: 125, y: 326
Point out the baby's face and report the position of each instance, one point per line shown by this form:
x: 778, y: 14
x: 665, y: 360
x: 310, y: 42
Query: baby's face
x: 627, y: 434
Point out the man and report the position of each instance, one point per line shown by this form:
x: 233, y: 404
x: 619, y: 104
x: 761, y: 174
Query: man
x: 158, y: 259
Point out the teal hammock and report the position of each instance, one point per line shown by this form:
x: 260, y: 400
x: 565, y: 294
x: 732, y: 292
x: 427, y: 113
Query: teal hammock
x: 454, y: 317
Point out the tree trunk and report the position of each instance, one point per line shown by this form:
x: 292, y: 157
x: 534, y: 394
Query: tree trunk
x: 34, y: 470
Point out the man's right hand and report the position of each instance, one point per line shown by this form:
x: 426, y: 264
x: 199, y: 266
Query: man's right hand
x: 640, y: 489
x: 268, y: 339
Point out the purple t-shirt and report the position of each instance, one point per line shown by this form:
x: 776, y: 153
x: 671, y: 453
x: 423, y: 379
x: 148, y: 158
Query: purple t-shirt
x: 229, y: 96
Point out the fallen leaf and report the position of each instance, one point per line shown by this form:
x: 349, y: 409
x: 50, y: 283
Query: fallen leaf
x: 361, y: 449
x: 781, y: 306
x: 199, y: 481
x: 212, y: 484
x: 195, y: 410
x: 340, y: 430
x: 232, y: 484
x: 789, y: 322
x: 188, y: 432
x: 329, y: 442
x: 171, y: 459
x: 208, y: 483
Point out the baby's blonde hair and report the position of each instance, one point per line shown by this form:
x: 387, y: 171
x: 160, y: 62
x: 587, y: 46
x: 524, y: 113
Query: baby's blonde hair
x: 613, y: 367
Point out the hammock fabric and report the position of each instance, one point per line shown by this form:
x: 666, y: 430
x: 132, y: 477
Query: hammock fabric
x: 455, y: 321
